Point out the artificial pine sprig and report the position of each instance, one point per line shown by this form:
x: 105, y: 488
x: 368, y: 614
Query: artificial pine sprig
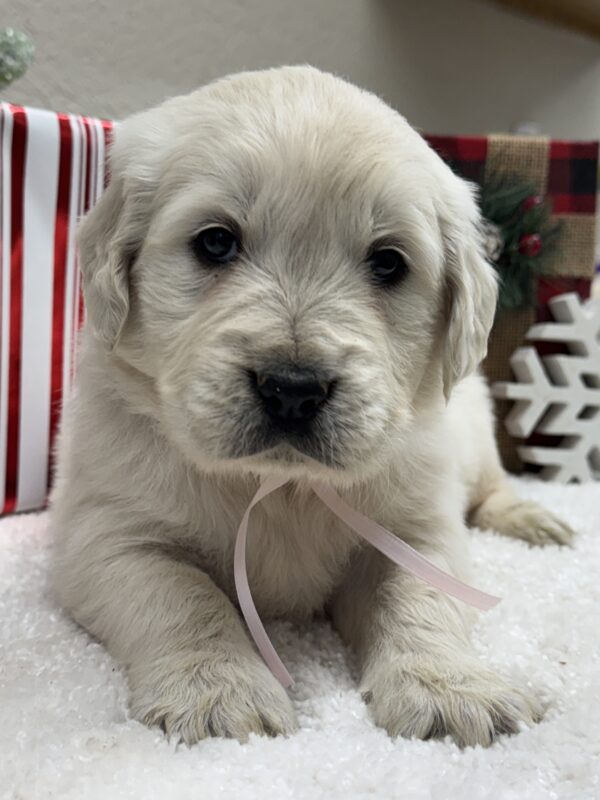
x: 528, y: 234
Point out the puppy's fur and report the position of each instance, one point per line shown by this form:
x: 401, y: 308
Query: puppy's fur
x: 165, y: 441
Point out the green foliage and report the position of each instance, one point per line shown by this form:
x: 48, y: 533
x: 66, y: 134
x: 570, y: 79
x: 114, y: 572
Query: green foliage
x: 502, y: 199
x: 503, y: 202
x: 16, y: 54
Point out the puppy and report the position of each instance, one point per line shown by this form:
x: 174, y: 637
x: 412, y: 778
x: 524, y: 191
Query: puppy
x: 282, y: 277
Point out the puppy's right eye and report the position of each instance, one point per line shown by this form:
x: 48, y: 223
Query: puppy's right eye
x: 216, y: 245
x: 388, y: 266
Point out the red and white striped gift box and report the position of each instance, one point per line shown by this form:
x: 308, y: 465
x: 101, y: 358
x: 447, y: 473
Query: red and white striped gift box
x: 52, y: 170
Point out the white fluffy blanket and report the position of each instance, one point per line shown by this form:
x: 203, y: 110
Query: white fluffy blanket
x: 65, y: 731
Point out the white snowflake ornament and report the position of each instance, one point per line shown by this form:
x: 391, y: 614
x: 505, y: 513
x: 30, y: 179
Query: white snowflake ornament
x: 559, y: 395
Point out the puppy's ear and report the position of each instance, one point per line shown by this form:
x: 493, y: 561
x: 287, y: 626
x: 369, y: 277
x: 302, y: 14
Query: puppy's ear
x: 471, y: 290
x: 104, y: 265
x: 109, y: 238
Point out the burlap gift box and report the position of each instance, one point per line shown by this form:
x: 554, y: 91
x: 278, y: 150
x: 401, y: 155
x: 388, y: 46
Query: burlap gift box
x: 566, y: 174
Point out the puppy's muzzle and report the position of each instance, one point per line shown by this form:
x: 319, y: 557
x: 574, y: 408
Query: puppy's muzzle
x: 291, y: 397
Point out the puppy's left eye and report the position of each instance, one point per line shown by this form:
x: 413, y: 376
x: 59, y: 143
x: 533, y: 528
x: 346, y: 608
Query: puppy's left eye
x: 215, y: 245
x: 388, y: 266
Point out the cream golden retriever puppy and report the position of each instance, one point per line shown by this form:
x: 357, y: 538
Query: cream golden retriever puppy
x: 282, y: 276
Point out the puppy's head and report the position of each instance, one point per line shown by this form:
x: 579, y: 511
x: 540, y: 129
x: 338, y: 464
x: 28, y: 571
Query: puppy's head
x: 292, y: 267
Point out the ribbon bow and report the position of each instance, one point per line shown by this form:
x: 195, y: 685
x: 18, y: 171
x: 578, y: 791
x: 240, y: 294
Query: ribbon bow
x: 395, y: 549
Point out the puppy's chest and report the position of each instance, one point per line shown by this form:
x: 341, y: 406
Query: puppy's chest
x: 296, y: 555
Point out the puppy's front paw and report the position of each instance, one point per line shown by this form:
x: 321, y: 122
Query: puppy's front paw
x: 521, y: 519
x: 534, y: 524
x: 431, y: 698
x: 197, y: 695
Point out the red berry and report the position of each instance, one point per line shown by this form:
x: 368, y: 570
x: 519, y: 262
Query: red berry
x: 530, y: 244
x: 533, y: 201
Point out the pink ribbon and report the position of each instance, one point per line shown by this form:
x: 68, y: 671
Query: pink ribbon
x: 395, y: 549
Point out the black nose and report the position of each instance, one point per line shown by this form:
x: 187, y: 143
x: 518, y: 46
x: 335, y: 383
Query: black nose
x: 291, y: 397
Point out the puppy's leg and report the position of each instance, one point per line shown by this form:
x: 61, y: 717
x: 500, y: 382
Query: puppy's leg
x: 190, y: 664
x: 418, y: 672
x: 494, y: 503
x: 504, y: 511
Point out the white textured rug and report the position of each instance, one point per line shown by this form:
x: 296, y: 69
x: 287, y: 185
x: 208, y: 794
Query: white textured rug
x: 65, y: 732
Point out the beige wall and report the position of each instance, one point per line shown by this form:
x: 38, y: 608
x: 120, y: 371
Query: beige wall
x: 448, y: 65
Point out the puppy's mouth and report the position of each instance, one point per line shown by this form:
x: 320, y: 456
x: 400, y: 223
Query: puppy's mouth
x: 291, y: 448
x: 284, y: 455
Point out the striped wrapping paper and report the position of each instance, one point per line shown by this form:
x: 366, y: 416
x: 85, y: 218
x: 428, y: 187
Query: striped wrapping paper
x: 52, y: 170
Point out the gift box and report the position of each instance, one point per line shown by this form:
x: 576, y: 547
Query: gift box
x: 52, y: 170
x: 565, y: 174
